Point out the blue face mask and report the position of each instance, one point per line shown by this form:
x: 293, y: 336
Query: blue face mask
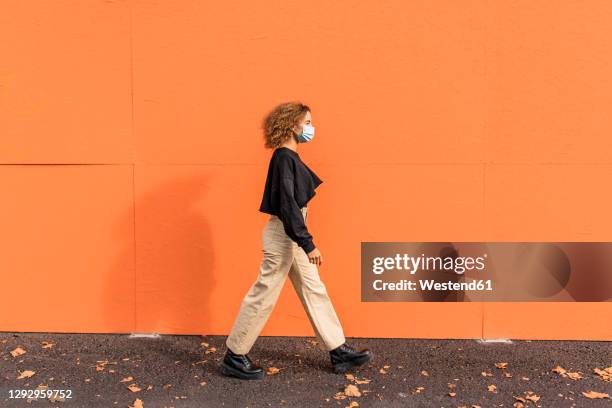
x: 307, y: 134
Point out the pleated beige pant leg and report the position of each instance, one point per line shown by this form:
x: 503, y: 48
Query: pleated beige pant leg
x: 281, y: 257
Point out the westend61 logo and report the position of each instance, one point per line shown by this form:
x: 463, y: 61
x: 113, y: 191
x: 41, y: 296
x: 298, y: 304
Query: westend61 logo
x: 458, y: 265
x: 486, y: 271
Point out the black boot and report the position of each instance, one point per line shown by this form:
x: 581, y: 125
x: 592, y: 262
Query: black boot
x: 344, y: 357
x: 241, y: 366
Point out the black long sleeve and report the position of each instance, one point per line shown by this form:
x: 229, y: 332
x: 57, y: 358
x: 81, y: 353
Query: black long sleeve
x: 291, y: 215
x: 290, y: 184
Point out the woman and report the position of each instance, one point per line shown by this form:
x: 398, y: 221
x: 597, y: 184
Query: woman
x: 288, y: 249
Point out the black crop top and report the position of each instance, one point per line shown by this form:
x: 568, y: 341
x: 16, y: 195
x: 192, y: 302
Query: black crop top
x: 290, y: 185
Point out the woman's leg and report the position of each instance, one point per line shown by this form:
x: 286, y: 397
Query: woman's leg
x: 313, y: 295
x: 261, y: 298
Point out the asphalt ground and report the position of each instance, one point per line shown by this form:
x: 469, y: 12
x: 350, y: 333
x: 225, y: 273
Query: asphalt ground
x: 183, y: 371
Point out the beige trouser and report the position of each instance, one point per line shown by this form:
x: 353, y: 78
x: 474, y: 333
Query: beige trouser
x: 282, y: 256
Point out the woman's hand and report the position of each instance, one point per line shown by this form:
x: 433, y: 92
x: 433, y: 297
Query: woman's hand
x: 315, y: 257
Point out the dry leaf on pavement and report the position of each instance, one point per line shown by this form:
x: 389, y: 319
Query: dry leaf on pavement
x: 605, y: 374
x: 26, y: 374
x: 272, y: 370
x: 339, y: 395
x: 532, y: 397
x: 595, y: 394
x: 133, y: 388
x: 137, y: 403
x: 352, y: 391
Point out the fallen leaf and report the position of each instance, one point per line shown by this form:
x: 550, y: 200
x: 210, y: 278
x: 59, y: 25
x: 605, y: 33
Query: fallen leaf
x: 605, y: 374
x: 486, y: 374
x: 273, y: 370
x: 425, y: 373
x: 351, y: 377
x: 133, y: 388
x: 137, y: 403
x: 46, y: 344
x: 101, y: 364
x: 352, y: 404
x: 574, y: 376
x: 492, y: 388
x: 501, y: 365
x: 564, y: 373
x: 26, y: 374
x: 17, y: 352
x: 339, y: 395
x: 452, y: 394
x: 558, y: 369
x: 352, y: 391
x: 595, y: 394
x: 126, y: 379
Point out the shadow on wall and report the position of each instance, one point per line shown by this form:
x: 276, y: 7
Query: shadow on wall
x: 175, y: 261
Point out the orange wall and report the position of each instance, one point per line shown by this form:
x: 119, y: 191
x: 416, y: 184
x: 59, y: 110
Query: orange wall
x: 133, y: 164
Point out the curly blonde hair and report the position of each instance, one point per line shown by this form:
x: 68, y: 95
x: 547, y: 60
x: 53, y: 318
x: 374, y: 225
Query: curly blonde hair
x: 278, y: 123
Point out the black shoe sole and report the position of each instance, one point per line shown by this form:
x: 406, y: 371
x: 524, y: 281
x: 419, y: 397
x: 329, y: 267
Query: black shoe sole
x: 342, y: 368
x: 233, y: 372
